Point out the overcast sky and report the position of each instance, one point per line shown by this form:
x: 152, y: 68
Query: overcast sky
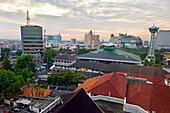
x: 73, y: 18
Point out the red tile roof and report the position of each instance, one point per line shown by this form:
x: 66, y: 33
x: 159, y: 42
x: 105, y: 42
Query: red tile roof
x: 111, y: 82
x: 27, y: 91
x: 149, y: 97
x: 157, y: 80
x: 87, y: 84
x: 1, y: 66
x: 39, y: 59
x: 167, y: 76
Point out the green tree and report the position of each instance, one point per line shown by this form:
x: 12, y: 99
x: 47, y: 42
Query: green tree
x: 81, y: 51
x: 156, y: 65
x: 26, y: 74
x: 39, y: 91
x: 157, y: 60
x: 168, y: 62
x: 151, y: 62
x: 146, y: 62
x: 143, y: 55
x: 18, y: 52
x: 48, y: 55
x: 5, y: 52
x: 23, y: 62
x: 65, y: 78
x: 10, y: 85
x: 6, y: 64
x: 60, y: 49
x: 31, y: 82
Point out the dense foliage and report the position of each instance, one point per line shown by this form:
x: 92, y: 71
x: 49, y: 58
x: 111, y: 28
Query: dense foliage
x: 18, y: 52
x: 24, y: 66
x: 7, y: 63
x: 64, y: 78
x: 25, y: 61
x: 48, y: 55
x: 83, y: 50
x: 4, y: 52
x: 142, y: 52
x: 10, y: 85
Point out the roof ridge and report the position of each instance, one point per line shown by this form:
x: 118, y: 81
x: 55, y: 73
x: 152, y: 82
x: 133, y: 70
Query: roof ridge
x: 97, y: 85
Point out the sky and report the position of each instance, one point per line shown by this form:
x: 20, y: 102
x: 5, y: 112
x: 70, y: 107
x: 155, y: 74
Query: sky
x: 73, y: 18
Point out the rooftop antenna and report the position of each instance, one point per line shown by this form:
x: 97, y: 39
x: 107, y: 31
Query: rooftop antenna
x: 28, y: 18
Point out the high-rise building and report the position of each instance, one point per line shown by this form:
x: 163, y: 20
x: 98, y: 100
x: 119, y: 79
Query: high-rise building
x: 54, y: 39
x: 73, y: 40
x: 91, y: 39
x: 151, y: 52
x: 163, y: 39
x: 32, y: 38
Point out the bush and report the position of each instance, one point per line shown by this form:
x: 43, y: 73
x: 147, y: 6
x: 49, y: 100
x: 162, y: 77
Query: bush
x: 156, y: 65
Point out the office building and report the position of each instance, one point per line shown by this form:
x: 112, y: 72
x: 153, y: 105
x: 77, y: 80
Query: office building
x: 54, y: 39
x: 73, y: 40
x: 32, y: 39
x: 91, y: 40
x: 163, y: 39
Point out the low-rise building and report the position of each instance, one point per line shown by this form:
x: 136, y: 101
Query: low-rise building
x: 64, y: 61
x: 110, y: 55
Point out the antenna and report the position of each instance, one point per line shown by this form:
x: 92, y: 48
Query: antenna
x: 28, y: 18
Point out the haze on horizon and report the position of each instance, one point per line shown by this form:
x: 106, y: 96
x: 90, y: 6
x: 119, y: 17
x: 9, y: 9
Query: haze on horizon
x: 73, y: 18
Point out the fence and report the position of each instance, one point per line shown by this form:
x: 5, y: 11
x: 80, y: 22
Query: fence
x: 133, y: 109
x: 107, y: 98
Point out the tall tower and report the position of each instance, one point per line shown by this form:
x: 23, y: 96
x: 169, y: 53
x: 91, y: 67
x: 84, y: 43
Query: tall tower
x: 28, y: 18
x: 151, y: 52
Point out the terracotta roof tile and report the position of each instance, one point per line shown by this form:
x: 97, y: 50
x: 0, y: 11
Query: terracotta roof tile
x: 111, y: 82
x: 167, y: 76
x: 27, y: 91
x: 39, y: 59
x: 154, y: 79
x: 87, y: 84
x: 149, y: 97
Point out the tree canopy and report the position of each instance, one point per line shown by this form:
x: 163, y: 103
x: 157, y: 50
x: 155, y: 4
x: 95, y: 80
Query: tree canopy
x: 49, y: 54
x: 10, y: 85
x: 7, y: 63
x: 18, y: 52
x: 64, y: 78
x: 25, y: 61
x: 5, y: 52
x: 83, y: 50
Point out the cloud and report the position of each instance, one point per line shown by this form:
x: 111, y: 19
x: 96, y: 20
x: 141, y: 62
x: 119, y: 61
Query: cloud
x: 35, y: 9
x: 75, y: 17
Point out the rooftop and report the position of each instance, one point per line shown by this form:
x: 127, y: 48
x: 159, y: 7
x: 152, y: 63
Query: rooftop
x: 27, y: 92
x: 80, y: 102
x: 108, y: 54
x: 157, y: 71
x: 149, y: 97
x: 87, y: 84
x: 37, y: 58
x: 65, y: 57
x: 111, y: 82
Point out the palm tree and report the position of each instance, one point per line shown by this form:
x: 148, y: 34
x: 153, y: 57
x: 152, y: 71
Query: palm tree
x: 31, y: 83
x: 39, y: 91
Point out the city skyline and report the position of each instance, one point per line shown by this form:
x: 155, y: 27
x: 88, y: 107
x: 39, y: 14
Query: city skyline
x: 73, y: 18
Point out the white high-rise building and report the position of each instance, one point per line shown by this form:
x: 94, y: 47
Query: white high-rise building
x: 163, y: 39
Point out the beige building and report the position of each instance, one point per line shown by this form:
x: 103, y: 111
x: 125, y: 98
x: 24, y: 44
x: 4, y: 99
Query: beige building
x: 91, y: 39
x: 32, y: 39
